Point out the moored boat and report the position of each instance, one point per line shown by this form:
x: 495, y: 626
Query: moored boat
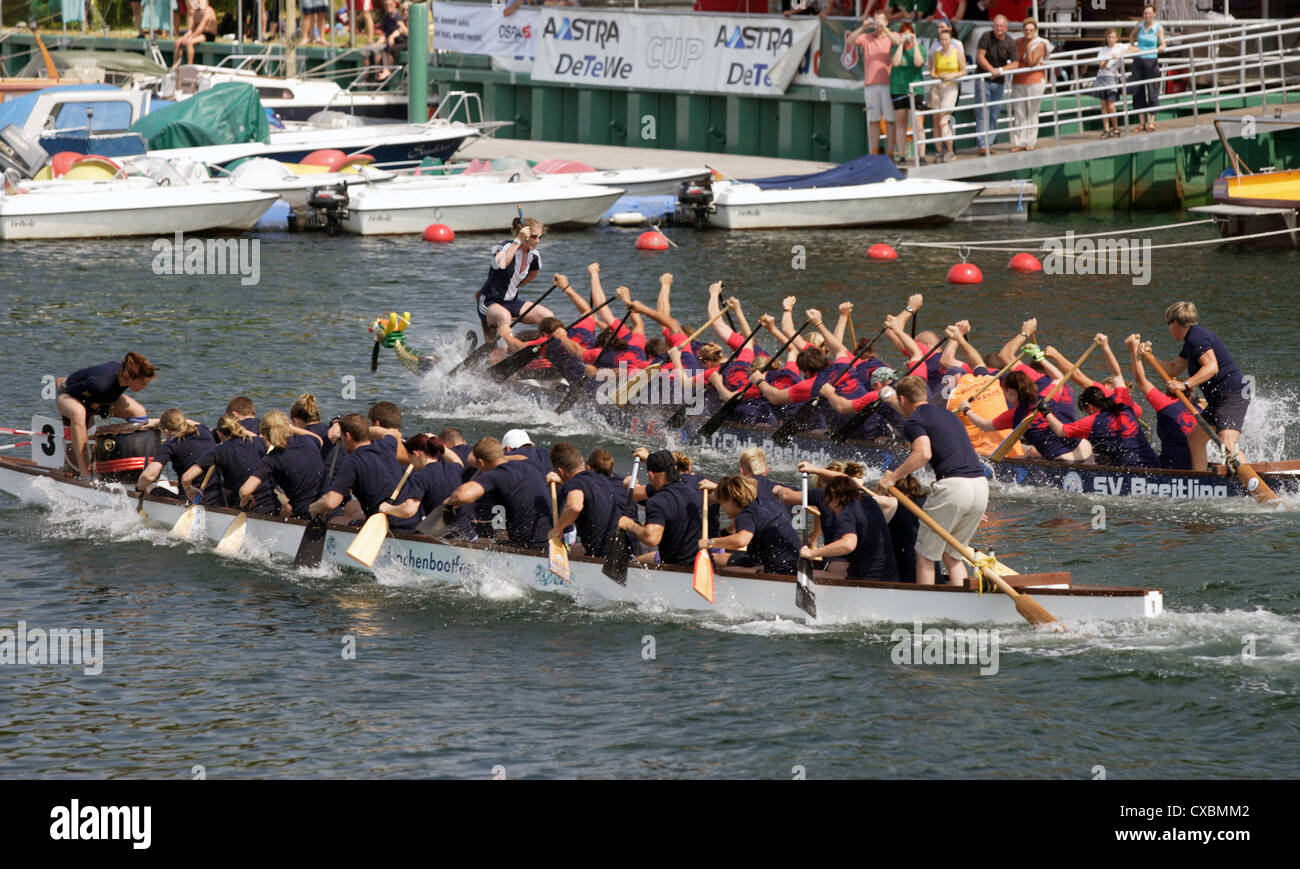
x: 1260, y: 208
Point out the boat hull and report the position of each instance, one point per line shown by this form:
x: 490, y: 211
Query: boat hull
x: 912, y: 201
x: 398, y: 208
x: 736, y: 594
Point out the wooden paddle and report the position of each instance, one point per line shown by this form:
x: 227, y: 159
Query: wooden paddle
x: 478, y: 354
x: 1249, y: 477
x: 575, y: 390
x: 312, y: 545
x: 371, y: 536
x: 721, y: 414
x: 804, y: 596
x: 558, y: 554
x: 620, y: 549
x: 639, y: 378
x: 1032, y: 611
x: 520, y: 358
x: 853, y: 423
x: 853, y: 333
x: 703, y: 581
x: 1018, y: 432
x: 185, y: 525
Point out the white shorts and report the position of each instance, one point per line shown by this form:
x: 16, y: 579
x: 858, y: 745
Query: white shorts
x: 958, y: 505
x: 880, y: 104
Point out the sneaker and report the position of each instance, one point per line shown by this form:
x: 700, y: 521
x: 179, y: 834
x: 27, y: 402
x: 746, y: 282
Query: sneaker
x: 922, y: 162
x: 949, y: 156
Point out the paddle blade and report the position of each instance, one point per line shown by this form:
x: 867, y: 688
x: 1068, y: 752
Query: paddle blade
x: 1254, y: 483
x: 233, y: 540
x: 795, y: 424
x: 312, y: 545
x: 185, y: 525
x: 558, y: 560
x: 678, y: 419
x: 804, y: 597
x: 719, y: 417
x: 703, y: 583
x: 371, y: 536
x: 435, y: 524
x: 513, y: 363
x: 616, y: 559
x: 374, y: 357
x: 571, y: 396
x: 475, y: 357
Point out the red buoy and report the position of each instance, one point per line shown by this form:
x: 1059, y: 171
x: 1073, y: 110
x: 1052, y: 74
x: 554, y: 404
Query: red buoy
x: 965, y: 273
x: 440, y: 232
x: 651, y: 240
x: 881, y: 251
x: 1025, y: 262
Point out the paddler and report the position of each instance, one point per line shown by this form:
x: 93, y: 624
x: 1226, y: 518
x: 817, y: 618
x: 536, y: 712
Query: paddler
x: 1173, y: 420
x: 586, y: 499
x: 963, y: 382
x: 186, y: 442
x: 861, y: 534
x: 514, y: 264
x: 672, y: 514
x: 1111, y: 427
x: 237, y: 456
x: 437, y: 474
x: 101, y: 389
x: 760, y: 525
x: 370, y: 471
x: 293, y: 465
x: 515, y: 486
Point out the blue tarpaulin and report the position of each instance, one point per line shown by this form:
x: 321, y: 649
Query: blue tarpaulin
x: 864, y: 170
x: 108, y: 116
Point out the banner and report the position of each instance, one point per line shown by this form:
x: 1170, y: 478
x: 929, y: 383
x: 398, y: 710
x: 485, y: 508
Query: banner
x: 701, y: 53
x: 829, y: 62
x: 477, y: 28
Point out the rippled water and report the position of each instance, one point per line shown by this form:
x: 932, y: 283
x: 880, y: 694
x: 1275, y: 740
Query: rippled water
x: 237, y: 665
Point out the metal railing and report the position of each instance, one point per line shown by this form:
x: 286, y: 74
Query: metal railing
x: 1200, y: 64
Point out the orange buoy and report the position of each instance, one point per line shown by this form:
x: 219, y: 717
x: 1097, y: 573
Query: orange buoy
x: 651, y: 240
x: 965, y: 273
x: 439, y: 232
x: 330, y: 158
x: 61, y: 162
x: 1025, y: 262
x: 881, y: 251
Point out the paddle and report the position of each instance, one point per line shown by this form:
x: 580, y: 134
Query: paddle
x: 1249, y: 477
x: 641, y: 376
x: 720, y: 415
x: 575, y: 389
x: 1018, y: 432
x: 374, y: 357
x: 804, y: 597
x: 312, y: 545
x: 703, y: 581
x: 853, y: 423
x: 485, y: 349
x: 558, y: 555
x: 520, y: 358
x: 620, y: 548
x: 233, y: 538
x: 1032, y: 611
x: 853, y: 333
x: 185, y: 525
x: 371, y: 536
x: 678, y: 418
x: 798, y: 421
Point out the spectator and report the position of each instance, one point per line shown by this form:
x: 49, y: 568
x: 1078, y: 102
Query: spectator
x: 1110, y: 70
x: 948, y: 64
x: 364, y: 10
x: 995, y: 54
x: 391, y: 44
x: 949, y: 10
x: 910, y: 10
x: 203, y: 26
x: 313, y: 22
x: 1149, y: 36
x: 1027, y: 87
x: 820, y: 8
x: 907, y: 67
x: 876, y: 48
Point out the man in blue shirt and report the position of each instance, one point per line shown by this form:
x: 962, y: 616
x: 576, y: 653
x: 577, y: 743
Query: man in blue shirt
x: 370, y: 471
x: 514, y: 487
x: 673, y: 518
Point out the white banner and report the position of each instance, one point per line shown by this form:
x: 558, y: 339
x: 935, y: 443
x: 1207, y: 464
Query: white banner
x: 678, y: 52
x: 478, y: 28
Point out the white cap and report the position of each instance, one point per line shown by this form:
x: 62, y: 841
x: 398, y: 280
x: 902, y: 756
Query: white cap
x: 515, y: 438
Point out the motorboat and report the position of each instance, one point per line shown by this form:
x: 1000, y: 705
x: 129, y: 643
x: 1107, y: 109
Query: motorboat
x: 868, y: 191
x: 293, y: 182
x: 635, y: 181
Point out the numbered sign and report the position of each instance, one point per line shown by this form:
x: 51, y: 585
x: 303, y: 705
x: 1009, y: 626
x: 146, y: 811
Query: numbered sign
x: 47, y: 442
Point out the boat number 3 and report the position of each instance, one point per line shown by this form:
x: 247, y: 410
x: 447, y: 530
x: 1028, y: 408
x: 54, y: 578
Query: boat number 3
x: 48, y: 446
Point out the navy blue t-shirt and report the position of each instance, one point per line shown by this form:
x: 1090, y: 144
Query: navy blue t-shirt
x: 903, y: 529
x: 1228, y: 381
x: 599, y: 517
x: 817, y: 498
x: 185, y: 451
x: 873, y: 558
x: 96, y: 384
x: 371, y: 472
x: 677, y: 508
x: 537, y: 457
x: 952, y: 454
x: 521, y: 490
x: 236, y: 460
x: 775, y: 543
x: 432, y: 484
x: 297, y: 470
x: 321, y: 430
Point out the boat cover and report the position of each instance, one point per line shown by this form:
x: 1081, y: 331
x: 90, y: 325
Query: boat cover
x: 71, y: 114
x: 225, y: 114
x: 867, y: 169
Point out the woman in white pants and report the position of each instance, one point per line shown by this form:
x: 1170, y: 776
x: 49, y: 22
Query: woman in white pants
x: 1033, y: 50
x: 948, y: 65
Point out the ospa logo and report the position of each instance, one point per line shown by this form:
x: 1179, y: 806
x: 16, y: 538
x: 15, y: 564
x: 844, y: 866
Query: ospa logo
x: 1072, y: 482
x: 849, y: 56
x: 595, y: 30
x: 773, y: 39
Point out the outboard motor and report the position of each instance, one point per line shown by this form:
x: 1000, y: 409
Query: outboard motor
x: 20, y: 153
x: 695, y: 201
x: 123, y: 450
x: 329, y: 205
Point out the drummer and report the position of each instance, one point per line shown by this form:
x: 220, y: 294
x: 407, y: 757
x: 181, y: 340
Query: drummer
x: 514, y: 264
x: 101, y: 389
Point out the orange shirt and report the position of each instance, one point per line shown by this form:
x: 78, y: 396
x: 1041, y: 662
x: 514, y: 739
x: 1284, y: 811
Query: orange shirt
x: 990, y: 403
x: 876, y: 61
x: 1030, y: 55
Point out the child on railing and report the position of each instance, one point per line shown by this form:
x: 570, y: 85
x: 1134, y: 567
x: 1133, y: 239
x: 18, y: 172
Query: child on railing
x: 1110, y: 72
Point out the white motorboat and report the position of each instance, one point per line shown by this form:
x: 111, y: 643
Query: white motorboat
x: 633, y: 182
x: 869, y: 191
x: 482, y: 202
x: 292, y: 184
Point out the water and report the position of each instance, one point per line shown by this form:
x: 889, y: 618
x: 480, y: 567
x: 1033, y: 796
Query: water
x: 237, y: 665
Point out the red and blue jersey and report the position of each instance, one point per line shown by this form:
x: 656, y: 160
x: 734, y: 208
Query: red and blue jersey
x: 1173, y: 423
x: 1116, y: 438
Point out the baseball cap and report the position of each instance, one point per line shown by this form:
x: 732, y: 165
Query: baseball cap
x: 514, y: 439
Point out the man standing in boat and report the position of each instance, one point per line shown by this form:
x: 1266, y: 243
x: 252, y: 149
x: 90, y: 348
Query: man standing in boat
x: 1210, y: 366
x: 514, y: 264
x: 101, y: 389
x: 960, y: 493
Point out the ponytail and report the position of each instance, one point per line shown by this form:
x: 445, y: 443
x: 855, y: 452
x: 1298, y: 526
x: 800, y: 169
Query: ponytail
x: 229, y: 426
x: 1095, y: 397
x: 174, y: 423
x: 305, y: 408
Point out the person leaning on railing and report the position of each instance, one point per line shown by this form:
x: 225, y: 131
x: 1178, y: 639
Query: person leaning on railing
x: 1149, y: 36
x: 948, y: 64
x: 908, y: 60
x: 1027, y: 87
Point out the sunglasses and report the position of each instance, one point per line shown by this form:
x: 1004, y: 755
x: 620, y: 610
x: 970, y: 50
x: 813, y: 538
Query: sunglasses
x: 535, y: 238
